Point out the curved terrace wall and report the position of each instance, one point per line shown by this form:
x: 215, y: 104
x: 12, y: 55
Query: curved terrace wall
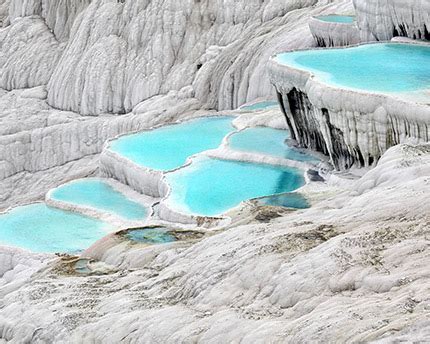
x: 384, y: 19
x: 334, y: 34
x: 353, y: 127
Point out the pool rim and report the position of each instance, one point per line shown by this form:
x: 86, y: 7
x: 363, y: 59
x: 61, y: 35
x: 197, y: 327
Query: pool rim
x: 312, y: 76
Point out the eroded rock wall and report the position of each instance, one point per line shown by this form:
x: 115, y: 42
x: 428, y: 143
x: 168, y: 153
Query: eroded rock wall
x: 384, y: 19
x: 59, y: 15
x: 28, y: 54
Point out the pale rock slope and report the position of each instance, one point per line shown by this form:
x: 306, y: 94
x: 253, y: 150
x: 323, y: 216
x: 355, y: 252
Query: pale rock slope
x: 117, y: 54
x: 353, y: 268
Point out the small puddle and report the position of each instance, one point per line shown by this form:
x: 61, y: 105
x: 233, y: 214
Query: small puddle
x: 156, y: 235
x: 287, y: 200
x: 159, y: 235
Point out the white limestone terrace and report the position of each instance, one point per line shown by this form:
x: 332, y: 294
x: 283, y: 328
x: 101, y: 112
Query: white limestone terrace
x: 124, y: 219
x: 353, y: 123
x: 153, y: 182
x: 382, y: 20
x: 335, y: 30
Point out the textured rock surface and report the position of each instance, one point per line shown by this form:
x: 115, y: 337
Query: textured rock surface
x: 123, y: 53
x: 59, y: 15
x: 112, y: 55
x: 28, y: 54
x: 384, y: 19
x: 353, y: 268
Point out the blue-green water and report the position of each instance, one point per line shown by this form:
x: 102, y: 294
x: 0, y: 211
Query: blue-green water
x: 337, y: 19
x: 268, y: 141
x: 212, y: 186
x: 100, y: 195
x: 383, y: 67
x: 40, y: 228
x: 156, y: 235
x: 260, y: 106
x: 288, y: 200
x: 168, y: 148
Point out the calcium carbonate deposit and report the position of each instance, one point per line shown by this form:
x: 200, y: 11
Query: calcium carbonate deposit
x: 214, y: 171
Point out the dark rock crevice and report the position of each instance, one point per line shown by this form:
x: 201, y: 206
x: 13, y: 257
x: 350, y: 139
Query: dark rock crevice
x: 308, y: 126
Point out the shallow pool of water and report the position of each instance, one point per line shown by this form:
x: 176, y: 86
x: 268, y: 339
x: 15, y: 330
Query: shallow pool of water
x: 100, y: 195
x: 288, y: 200
x: 383, y: 67
x: 157, y: 235
x: 260, y: 105
x: 212, y: 186
x: 168, y: 148
x: 267, y: 141
x: 337, y: 19
x: 40, y: 228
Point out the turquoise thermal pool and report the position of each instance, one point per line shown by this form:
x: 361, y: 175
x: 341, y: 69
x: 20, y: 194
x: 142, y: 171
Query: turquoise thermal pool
x: 211, y: 186
x: 168, y: 148
x: 288, y: 200
x: 99, y: 195
x: 40, y: 228
x: 260, y: 106
x: 382, y: 67
x: 267, y: 141
x: 156, y: 235
x: 337, y: 19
